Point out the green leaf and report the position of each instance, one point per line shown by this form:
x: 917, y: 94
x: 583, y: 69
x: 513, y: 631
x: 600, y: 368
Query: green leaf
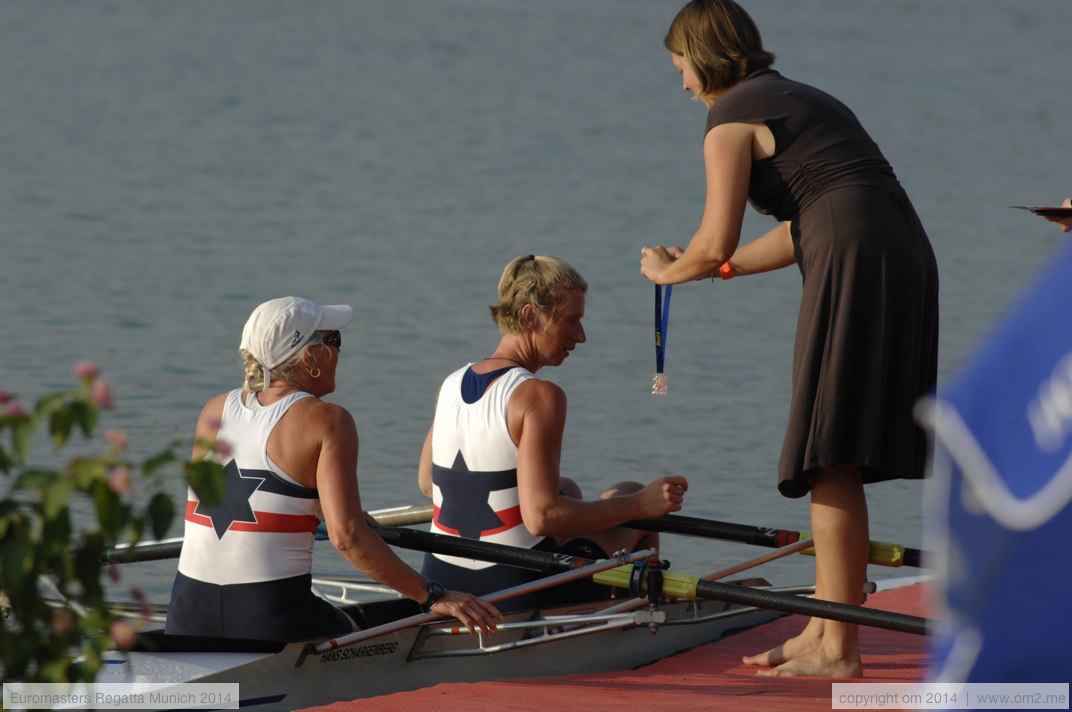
x: 161, y: 512
x: 21, y: 436
x: 111, y: 513
x: 34, y: 479
x: 85, y: 414
x: 11, y: 516
x: 55, y: 497
x: 207, y: 479
x: 49, y: 403
x: 17, y: 557
x: 86, y: 565
x: 60, y: 423
x: 157, y: 461
x: 86, y: 471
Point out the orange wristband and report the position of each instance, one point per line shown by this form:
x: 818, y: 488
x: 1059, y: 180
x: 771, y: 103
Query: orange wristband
x: 726, y: 270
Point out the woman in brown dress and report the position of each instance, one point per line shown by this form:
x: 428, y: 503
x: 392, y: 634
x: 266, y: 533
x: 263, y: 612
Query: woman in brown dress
x: 867, y: 332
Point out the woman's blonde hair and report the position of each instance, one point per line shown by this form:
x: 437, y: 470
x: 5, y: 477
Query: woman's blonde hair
x: 254, y: 380
x: 720, y: 42
x: 540, y: 281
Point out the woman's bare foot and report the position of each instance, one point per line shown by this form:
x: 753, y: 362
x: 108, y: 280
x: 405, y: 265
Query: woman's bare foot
x: 816, y: 663
x: 789, y: 650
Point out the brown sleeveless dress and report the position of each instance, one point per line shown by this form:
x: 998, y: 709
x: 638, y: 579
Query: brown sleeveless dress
x: 867, y: 332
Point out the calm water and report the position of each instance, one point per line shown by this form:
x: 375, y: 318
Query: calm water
x: 168, y: 166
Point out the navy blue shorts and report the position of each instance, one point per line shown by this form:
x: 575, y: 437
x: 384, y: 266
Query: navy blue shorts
x: 283, y: 610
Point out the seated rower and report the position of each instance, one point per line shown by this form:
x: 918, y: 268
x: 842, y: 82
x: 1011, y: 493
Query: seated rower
x: 291, y: 463
x: 490, y: 462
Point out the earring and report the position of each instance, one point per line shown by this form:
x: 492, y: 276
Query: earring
x: 315, y: 375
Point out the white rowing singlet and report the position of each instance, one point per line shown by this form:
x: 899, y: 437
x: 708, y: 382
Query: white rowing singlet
x: 474, y: 462
x: 265, y: 527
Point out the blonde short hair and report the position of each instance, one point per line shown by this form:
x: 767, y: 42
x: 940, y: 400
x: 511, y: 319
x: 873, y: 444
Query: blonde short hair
x: 540, y: 281
x: 254, y: 381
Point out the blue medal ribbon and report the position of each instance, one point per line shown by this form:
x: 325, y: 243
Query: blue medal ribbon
x: 662, y: 324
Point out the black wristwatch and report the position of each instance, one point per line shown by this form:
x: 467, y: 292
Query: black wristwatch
x: 435, y: 592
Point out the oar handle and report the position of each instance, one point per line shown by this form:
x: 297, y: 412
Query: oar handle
x: 145, y: 551
x: 694, y: 526
x: 881, y: 553
x: 403, y: 516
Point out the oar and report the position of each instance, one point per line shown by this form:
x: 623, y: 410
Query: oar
x: 483, y: 550
x: 688, y: 586
x: 882, y: 553
x: 674, y: 584
x: 170, y: 548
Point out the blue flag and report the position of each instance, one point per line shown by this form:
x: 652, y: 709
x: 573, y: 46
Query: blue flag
x: 1000, y: 520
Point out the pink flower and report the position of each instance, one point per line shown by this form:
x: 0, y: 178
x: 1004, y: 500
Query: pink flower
x: 15, y: 410
x: 86, y: 370
x: 123, y: 635
x: 223, y: 448
x: 5, y: 396
x: 117, y: 439
x: 119, y: 480
x: 101, y: 393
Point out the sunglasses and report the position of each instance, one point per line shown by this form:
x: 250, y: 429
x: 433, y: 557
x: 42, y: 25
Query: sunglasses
x: 332, y: 338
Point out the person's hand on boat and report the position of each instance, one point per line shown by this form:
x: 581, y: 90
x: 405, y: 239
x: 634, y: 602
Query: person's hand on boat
x: 472, y: 611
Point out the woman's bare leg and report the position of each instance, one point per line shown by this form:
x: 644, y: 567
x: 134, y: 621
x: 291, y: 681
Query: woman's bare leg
x: 805, y: 641
x: 840, y: 529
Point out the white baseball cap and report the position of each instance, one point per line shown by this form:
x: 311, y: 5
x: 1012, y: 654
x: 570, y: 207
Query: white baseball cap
x: 277, y: 329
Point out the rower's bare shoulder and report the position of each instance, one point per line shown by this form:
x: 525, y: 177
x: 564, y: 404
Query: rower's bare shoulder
x: 212, y: 413
x: 319, y: 414
x: 537, y: 394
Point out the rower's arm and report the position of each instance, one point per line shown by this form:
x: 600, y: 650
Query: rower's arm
x: 208, y: 427
x: 336, y: 476
x: 537, y: 413
x: 424, y: 470
x: 336, y: 481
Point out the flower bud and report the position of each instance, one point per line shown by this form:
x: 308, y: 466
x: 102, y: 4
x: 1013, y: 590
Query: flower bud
x: 117, y: 439
x: 119, y: 480
x: 123, y: 635
x: 86, y: 370
x: 101, y: 393
x: 223, y: 448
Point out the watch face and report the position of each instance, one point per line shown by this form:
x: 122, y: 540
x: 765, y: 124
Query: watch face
x: 435, y: 592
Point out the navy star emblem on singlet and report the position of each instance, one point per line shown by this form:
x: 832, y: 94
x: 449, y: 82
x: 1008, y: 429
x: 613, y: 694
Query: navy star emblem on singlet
x: 235, y: 506
x: 465, y: 507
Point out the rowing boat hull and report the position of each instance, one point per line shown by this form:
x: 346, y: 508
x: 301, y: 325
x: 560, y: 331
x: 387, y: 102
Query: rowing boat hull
x: 429, y: 654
